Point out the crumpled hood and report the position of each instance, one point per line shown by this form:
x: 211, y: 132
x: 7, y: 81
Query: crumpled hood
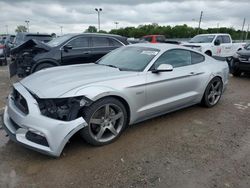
x: 54, y: 82
x: 30, y: 44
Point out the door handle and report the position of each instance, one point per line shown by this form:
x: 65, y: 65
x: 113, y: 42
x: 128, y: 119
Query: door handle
x: 195, y: 73
x: 86, y: 52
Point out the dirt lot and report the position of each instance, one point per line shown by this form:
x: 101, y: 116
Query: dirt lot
x: 194, y: 147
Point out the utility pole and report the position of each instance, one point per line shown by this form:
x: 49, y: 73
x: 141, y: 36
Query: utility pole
x: 242, y: 30
x: 200, y: 22
x: 27, y: 23
x: 98, y: 10
x: 247, y: 32
x: 116, y: 23
x: 218, y: 27
x: 7, y: 30
x: 61, y: 27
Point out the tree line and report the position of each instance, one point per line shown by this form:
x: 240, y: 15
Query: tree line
x: 178, y: 31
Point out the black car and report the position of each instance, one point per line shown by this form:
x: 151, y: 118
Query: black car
x: 68, y: 49
x: 240, y: 62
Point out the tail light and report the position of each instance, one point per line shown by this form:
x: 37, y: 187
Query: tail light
x: 2, y: 46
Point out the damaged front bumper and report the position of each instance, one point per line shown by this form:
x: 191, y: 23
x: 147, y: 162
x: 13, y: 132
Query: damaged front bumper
x: 35, y: 131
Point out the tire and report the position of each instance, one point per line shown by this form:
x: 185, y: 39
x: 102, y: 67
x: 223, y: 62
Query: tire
x: 212, y: 93
x: 106, y: 118
x: 42, y: 66
x: 234, y: 68
x: 208, y: 53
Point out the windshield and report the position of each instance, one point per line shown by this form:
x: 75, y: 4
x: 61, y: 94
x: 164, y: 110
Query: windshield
x: 131, y: 58
x: 59, y: 40
x: 202, y: 39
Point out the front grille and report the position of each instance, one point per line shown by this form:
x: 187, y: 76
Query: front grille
x: 38, y: 139
x: 20, y: 102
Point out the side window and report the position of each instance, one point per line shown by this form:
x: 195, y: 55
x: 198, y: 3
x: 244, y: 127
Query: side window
x: 226, y: 39
x: 197, y: 58
x: 219, y: 38
x: 114, y: 43
x: 81, y: 42
x: 149, y: 39
x: 100, y: 41
x: 160, y: 39
x: 176, y: 58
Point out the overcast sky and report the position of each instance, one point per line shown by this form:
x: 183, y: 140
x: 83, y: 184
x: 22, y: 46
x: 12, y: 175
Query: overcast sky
x: 76, y: 15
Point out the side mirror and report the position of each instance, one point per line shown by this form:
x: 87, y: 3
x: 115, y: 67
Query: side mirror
x: 67, y: 47
x: 163, y: 68
x: 217, y: 42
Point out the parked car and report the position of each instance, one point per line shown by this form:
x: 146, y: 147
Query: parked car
x: 3, y: 60
x: 24, y: 37
x: 131, y: 84
x: 8, y: 44
x: 240, y: 62
x: 219, y: 44
x: 69, y: 49
x: 158, y: 39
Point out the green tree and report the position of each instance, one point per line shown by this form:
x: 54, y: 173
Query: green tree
x: 91, y: 29
x: 21, y: 28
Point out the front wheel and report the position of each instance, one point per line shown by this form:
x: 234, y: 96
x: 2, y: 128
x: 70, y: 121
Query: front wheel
x: 213, y: 92
x: 43, y: 66
x: 234, y: 68
x: 106, y: 119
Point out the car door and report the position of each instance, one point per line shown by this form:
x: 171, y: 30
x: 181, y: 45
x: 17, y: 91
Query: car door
x: 228, y: 46
x: 76, y: 51
x: 167, y: 91
x: 219, y: 50
x: 100, y: 46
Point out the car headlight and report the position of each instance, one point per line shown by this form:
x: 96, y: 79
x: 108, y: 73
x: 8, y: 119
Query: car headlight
x: 65, y: 109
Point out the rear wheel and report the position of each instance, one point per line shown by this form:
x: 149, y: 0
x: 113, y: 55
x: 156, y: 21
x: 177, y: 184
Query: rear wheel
x: 43, y: 66
x: 213, y: 92
x: 106, y: 119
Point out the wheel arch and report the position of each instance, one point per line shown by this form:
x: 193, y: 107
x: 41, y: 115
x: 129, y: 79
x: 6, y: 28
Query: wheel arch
x: 208, y: 52
x: 50, y: 61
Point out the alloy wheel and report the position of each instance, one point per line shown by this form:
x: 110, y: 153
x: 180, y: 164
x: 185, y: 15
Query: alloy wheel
x: 106, y: 122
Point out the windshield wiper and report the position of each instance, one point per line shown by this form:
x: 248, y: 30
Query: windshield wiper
x: 113, y: 66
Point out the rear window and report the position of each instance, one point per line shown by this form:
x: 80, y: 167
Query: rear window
x: 100, y: 42
x: 197, y: 58
x: 114, y: 43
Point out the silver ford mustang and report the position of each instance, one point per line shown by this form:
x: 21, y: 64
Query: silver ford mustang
x: 99, y: 100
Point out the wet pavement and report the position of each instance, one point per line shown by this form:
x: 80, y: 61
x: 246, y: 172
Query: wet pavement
x: 193, y: 147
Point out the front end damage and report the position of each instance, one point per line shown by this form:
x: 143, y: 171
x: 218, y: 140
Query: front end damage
x: 44, y: 125
x: 23, y: 55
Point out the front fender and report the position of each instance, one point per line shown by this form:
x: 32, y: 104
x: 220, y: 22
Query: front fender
x: 95, y: 93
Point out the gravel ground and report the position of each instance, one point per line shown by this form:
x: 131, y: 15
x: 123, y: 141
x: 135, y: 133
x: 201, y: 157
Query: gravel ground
x: 194, y: 147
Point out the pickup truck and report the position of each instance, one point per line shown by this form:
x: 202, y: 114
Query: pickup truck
x: 219, y: 44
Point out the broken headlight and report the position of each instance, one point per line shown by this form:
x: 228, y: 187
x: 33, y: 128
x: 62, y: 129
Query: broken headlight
x: 65, y: 109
